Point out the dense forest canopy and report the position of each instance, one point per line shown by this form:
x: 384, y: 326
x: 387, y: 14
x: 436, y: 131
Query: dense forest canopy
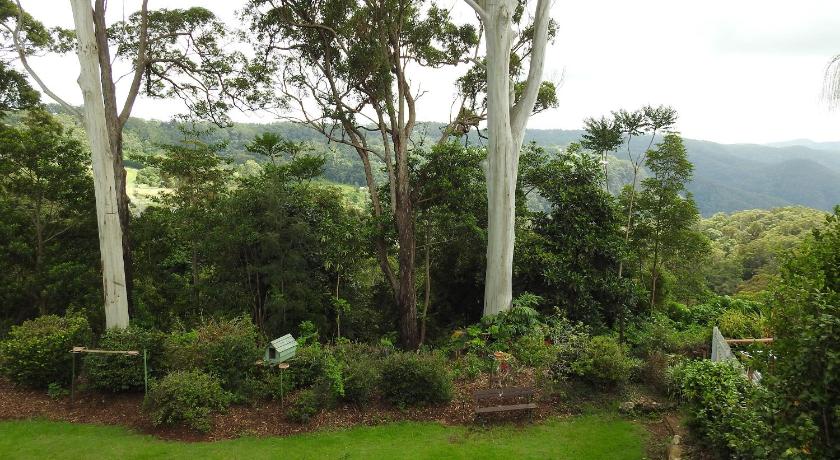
x: 744, y: 247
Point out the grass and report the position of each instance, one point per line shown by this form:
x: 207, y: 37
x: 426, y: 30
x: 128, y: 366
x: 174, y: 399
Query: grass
x: 141, y: 194
x: 583, y: 437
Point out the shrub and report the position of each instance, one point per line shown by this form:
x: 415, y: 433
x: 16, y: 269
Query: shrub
x: 659, y: 333
x: 318, y: 367
x: 361, y: 378
x: 330, y: 384
x: 706, y: 314
x: 725, y: 408
x: 225, y: 348
x: 736, y: 324
x: 605, y: 363
x: 254, y: 388
x: 56, y: 391
x: 37, y: 353
x: 654, y: 370
x: 519, y: 321
x: 678, y: 312
x: 306, y: 406
x: 805, y: 380
x: 186, y: 396
x: 229, y: 349
x: 531, y: 350
x: 308, y: 334
x: 314, y: 363
x: 571, y: 344
x: 410, y: 379
x: 181, y: 351
x: 307, y: 365
x: 499, y: 332
x: 470, y: 366
x: 120, y: 372
x: 709, y: 313
x: 693, y: 341
x: 346, y: 372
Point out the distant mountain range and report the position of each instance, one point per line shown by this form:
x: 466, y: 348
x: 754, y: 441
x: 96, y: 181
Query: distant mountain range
x: 734, y: 177
x: 830, y: 146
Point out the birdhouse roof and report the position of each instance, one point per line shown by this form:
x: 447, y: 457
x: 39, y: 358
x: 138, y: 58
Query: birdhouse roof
x: 284, y: 343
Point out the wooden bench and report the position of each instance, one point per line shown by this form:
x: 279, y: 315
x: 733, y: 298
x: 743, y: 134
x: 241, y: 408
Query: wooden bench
x: 510, y: 399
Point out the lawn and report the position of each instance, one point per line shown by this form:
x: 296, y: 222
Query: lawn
x: 583, y: 437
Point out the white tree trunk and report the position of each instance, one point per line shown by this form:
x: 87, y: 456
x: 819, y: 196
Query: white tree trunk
x: 505, y: 129
x: 104, y: 182
x: 502, y: 159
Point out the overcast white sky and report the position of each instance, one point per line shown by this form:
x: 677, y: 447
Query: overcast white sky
x: 737, y: 71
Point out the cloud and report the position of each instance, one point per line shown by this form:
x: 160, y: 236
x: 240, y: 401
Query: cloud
x: 815, y: 38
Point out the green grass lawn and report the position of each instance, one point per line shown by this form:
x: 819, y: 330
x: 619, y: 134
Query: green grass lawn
x: 580, y: 438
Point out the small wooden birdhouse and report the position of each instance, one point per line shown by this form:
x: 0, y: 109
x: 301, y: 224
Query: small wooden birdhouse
x: 280, y: 350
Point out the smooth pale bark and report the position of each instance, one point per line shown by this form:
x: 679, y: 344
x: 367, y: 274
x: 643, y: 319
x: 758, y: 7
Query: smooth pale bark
x: 502, y: 161
x: 115, y: 136
x: 505, y: 129
x: 107, y: 212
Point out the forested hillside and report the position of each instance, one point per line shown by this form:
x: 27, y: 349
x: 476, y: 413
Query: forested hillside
x: 727, y: 178
x: 746, y: 246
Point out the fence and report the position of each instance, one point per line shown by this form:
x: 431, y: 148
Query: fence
x: 722, y: 352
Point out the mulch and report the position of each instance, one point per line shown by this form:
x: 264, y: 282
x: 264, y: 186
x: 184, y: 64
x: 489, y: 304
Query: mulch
x: 266, y: 418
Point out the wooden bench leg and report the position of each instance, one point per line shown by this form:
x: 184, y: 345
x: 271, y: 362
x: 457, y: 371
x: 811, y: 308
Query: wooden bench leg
x: 479, y: 418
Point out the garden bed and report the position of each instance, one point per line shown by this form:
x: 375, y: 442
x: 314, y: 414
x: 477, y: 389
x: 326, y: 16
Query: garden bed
x: 265, y: 418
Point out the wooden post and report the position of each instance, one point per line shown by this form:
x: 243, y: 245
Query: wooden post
x: 73, y: 380
x: 282, y: 367
x: 145, y: 373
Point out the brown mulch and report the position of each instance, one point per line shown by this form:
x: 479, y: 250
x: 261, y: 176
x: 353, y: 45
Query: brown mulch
x: 266, y: 418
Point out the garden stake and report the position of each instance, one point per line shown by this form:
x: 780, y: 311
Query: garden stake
x: 282, y: 366
x: 145, y: 374
x: 73, y: 379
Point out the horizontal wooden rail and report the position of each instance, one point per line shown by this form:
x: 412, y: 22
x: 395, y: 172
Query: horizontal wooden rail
x: 105, y: 352
x: 746, y: 341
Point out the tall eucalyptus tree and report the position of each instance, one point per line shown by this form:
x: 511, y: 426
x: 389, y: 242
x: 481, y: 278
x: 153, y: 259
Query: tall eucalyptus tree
x: 509, y: 104
x: 344, y: 68
x: 171, y: 53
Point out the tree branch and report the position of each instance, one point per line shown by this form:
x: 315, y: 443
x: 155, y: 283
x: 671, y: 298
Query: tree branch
x: 139, y: 64
x: 478, y: 6
x: 522, y: 110
x: 22, y: 55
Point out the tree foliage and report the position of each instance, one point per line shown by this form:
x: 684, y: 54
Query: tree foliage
x: 569, y: 254
x: 805, y: 381
x: 747, y: 246
x: 48, y: 246
x: 666, y: 216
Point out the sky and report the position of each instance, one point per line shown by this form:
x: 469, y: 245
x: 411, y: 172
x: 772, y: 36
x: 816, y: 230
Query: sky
x: 745, y: 71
